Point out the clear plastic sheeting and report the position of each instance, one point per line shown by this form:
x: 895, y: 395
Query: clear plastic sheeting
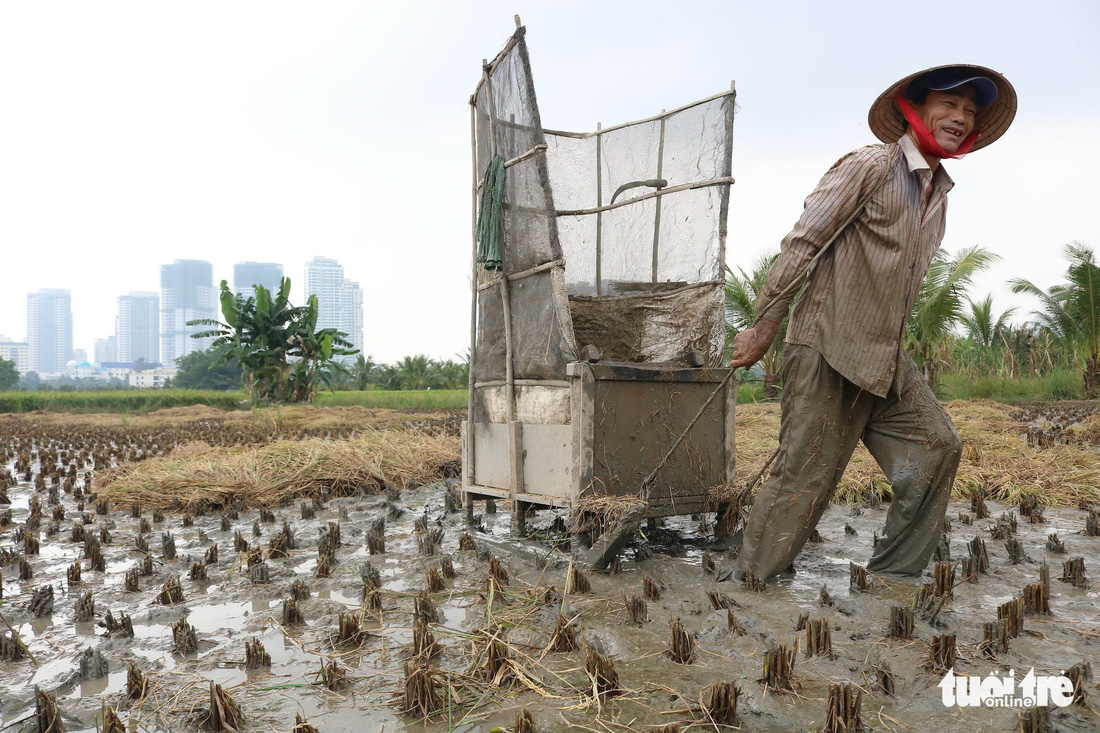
x: 683, y: 156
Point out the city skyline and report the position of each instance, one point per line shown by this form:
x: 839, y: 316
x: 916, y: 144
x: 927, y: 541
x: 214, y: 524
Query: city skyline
x: 142, y: 327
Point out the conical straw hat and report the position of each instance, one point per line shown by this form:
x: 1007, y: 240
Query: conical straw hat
x: 888, y: 125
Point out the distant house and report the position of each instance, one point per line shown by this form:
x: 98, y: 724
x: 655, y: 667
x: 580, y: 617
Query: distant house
x: 151, y: 378
x: 83, y: 370
x: 16, y: 351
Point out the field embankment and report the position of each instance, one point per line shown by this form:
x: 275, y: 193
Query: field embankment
x: 142, y: 401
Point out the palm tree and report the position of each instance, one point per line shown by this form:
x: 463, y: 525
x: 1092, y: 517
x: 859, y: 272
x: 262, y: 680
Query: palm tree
x: 386, y: 376
x: 1071, y: 311
x: 985, y: 341
x: 741, y: 292
x: 418, y: 372
x: 980, y: 325
x: 454, y: 374
x: 940, y: 303
x: 362, y: 371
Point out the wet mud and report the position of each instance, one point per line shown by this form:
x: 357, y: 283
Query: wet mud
x: 730, y: 629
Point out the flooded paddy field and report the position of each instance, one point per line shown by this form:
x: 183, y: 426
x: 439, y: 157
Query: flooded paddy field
x: 367, y: 608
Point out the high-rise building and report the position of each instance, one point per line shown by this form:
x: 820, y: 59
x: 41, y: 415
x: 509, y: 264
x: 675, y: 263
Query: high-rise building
x: 353, y: 308
x: 137, y: 329
x: 187, y: 293
x: 247, y: 275
x: 49, y: 330
x: 106, y: 350
x: 16, y: 351
x: 339, y: 301
x: 325, y: 279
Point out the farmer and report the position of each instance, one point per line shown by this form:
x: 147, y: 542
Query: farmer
x: 845, y: 373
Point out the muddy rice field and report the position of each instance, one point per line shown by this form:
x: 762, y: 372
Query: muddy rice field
x: 370, y: 603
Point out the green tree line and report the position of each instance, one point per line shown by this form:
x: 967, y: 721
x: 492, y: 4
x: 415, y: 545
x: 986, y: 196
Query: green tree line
x: 209, y: 370
x: 953, y: 335
x: 411, y: 372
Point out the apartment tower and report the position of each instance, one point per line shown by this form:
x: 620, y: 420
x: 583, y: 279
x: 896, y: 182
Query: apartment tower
x: 247, y: 275
x: 137, y: 329
x: 49, y: 330
x: 339, y: 301
x: 187, y: 293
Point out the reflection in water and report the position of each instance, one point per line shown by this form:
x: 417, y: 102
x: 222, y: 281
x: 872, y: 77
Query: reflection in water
x: 93, y: 687
x: 41, y: 625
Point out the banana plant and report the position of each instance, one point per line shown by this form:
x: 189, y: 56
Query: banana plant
x: 283, y: 357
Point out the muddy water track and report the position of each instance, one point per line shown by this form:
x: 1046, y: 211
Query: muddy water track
x: 481, y: 683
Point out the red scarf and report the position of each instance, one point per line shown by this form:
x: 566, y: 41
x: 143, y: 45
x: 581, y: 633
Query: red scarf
x: 925, y: 141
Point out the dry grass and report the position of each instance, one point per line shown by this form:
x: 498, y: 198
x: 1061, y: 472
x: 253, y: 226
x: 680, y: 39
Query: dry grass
x: 263, y: 475
x: 286, y: 418
x: 996, y: 457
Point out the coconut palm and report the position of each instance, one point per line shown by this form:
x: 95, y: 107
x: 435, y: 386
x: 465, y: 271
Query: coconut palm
x: 985, y: 340
x: 386, y: 376
x: 1071, y: 311
x: 454, y: 374
x: 741, y: 292
x: 362, y: 371
x: 418, y: 372
x: 940, y: 304
x: 980, y: 325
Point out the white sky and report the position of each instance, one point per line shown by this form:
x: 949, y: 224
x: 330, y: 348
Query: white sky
x: 133, y: 134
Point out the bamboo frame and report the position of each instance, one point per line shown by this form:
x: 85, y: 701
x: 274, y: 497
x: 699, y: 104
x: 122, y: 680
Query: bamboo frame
x: 723, y: 213
x: 509, y: 374
x: 599, y: 208
x: 523, y: 383
x: 468, y: 435
x: 582, y: 416
x: 490, y: 70
x: 540, y: 148
x: 522, y: 274
x: 657, y: 211
x: 654, y: 118
x: 670, y: 291
x: 515, y: 463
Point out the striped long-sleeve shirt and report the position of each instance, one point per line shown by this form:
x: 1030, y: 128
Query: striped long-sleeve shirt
x: 856, y: 301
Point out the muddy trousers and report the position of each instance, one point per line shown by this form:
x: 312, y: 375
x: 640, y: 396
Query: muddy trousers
x: 823, y: 415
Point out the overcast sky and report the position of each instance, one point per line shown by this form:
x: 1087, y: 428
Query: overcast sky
x: 133, y: 134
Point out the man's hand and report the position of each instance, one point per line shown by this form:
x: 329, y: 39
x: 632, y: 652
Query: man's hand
x: 750, y: 346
